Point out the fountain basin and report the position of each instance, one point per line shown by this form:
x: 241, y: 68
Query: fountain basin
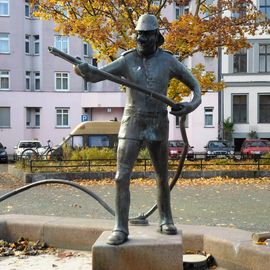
x: 232, y: 249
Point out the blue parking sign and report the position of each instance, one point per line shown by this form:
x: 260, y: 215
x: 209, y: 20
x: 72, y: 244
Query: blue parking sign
x: 84, y: 117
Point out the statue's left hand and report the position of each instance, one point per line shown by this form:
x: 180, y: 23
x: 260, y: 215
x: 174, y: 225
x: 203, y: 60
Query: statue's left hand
x: 182, y: 108
x: 81, y: 69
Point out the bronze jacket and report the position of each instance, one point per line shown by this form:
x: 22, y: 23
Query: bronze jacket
x: 145, y: 118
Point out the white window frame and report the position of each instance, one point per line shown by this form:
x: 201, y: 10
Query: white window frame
x: 60, y: 8
x: 27, y: 42
x: 32, y: 117
x: 265, y: 57
x: 61, y: 43
x: 27, y: 8
x: 61, y: 76
x: 28, y: 80
x: 1, y: 115
x: 85, y: 49
x: 4, y: 38
x: 236, y: 107
x: 36, y: 44
x: 180, y: 9
x: 264, y: 7
x: 239, y: 61
x: 4, y: 3
x: 94, y: 62
x: 85, y: 85
x: 37, y: 81
x: 37, y: 117
x: 208, y: 111
x: 3, y: 75
x: 260, y: 111
x: 61, y: 113
x: 177, y: 121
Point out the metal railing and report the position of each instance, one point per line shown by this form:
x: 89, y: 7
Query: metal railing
x: 143, y: 165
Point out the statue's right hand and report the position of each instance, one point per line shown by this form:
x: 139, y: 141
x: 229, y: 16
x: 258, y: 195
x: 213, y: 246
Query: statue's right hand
x: 81, y: 69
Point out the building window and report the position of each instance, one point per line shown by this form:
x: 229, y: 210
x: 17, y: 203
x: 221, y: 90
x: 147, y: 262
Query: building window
x: 4, y: 117
x: 27, y: 44
x: 61, y: 81
x: 239, y: 109
x: 4, y: 43
x: 265, y: 8
x: 27, y: 80
x: 240, y: 10
x: 36, y: 44
x: 177, y: 121
x: 37, y: 80
x: 240, y: 61
x: 85, y: 49
x: 208, y: 116
x: 35, y: 9
x: 62, y: 43
x: 94, y: 62
x: 86, y: 85
x: 27, y: 9
x: 33, y: 117
x: 4, y: 80
x: 62, y: 117
x: 4, y: 7
x: 61, y: 9
x: 264, y: 108
x: 181, y: 8
x: 264, y: 57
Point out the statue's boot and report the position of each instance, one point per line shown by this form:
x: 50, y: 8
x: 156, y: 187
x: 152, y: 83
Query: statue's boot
x: 117, y: 238
x: 169, y: 229
x: 120, y: 232
x: 166, y: 220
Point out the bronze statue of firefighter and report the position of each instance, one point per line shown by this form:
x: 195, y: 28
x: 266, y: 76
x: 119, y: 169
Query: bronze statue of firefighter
x: 145, y: 118
x: 146, y: 71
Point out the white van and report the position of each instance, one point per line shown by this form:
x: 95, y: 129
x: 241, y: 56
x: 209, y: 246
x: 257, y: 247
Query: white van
x: 94, y: 134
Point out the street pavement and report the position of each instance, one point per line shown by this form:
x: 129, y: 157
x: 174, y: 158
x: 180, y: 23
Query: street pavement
x: 243, y: 203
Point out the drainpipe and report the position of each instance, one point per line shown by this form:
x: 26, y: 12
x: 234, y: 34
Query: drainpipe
x: 220, y: 97
x: 220, y: 93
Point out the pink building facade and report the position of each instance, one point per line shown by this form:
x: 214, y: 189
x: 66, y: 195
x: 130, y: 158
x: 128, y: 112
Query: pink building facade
x: 42, y: 98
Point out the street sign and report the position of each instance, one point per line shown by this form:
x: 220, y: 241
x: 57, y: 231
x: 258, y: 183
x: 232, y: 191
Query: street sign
x: 84, y: 117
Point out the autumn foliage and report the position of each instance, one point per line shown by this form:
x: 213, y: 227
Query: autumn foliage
x: 108, y: 25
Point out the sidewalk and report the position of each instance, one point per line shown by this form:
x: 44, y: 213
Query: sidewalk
x: 62, y: 260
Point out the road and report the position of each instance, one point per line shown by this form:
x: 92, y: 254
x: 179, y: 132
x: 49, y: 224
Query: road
x: 243, y: 203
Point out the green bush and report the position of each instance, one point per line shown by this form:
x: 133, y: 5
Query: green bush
x: 267, y: 160
x: 93, y: 153
x: 67, y: 151
x: 144, y: 154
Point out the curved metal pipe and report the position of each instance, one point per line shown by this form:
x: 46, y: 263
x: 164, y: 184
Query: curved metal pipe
x: 143, y: 216
x: 59, y: 181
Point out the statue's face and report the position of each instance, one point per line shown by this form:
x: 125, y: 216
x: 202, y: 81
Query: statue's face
x: 146, y: 42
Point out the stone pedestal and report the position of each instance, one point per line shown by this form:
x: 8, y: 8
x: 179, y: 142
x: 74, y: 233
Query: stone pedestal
x: 146, y: 249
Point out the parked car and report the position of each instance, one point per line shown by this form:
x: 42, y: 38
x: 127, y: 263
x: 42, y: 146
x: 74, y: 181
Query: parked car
x: 254, y: 148
x: 218, y: 149
x: 26, y: 144
x: 3, y: 154
x: 176, y: 149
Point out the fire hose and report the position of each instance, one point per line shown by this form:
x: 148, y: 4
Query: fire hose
x: 141, y: 218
